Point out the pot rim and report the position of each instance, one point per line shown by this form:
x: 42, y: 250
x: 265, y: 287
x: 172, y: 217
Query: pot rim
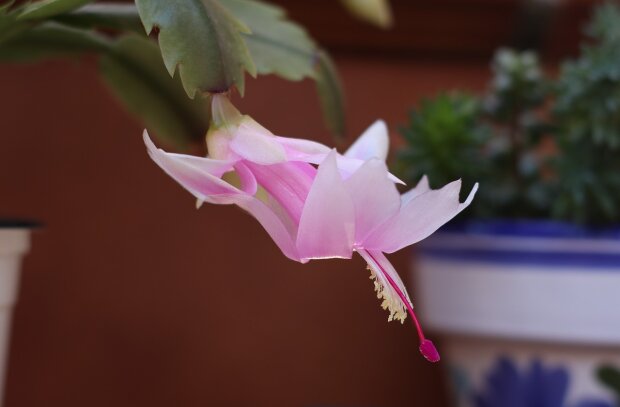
x: 543, y: 228
x: 19, y: 223
x: 559, y: 246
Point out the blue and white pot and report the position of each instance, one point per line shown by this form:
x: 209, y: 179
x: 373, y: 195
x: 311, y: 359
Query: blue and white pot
x: 529, y: 312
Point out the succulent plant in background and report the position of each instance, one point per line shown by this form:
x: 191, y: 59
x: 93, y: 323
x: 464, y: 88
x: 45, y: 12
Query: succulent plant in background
x: 540, y: 147
x: 531, y: 273
x: 587, y: 117
x: 609, y: 376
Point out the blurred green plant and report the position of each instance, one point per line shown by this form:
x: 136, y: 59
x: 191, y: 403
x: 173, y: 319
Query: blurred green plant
x: 587, y: 117
x: 444, y: 138
x: 540, y: 147
x: 609, y: 376
x: 207, y: 45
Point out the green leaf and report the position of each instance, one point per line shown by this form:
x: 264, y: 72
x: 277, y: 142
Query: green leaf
x: 113, y: 16
x: 330, y: 94
x: 277, y: 46
x: 376, y: 12
x: 610, y: 377
x: 135, y: 73
x: 203, y: 40
x: 283, y: 48
x: 51, y: 40
x: 49, y: 8
x: 9, y: 25
x: 5, y: 7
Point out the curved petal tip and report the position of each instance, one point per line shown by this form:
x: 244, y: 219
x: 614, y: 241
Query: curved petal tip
x: 471, y: 195
x: 373, y: 143
x: 151, y: 148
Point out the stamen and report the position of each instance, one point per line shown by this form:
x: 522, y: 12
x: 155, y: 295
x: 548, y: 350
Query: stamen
x: 427, y: 348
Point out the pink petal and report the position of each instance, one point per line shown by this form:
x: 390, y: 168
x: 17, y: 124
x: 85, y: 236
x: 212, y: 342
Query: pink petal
x: 272, y: 223
x: 193, y: 174
x: 301, y: 149
x: 346, y: 165
x: 242, y: 135
x: 419, y: 189
x: 327, y: 224
x: 215, y: 167
x: 249, y: 185
x: 373, y: 143
x: 288, y: 183
x: 254, y: 143
x: 374, y: 196
x: 419, y: 218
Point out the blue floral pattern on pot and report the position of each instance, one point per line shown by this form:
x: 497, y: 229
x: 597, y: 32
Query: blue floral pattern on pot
x: 537, y: 386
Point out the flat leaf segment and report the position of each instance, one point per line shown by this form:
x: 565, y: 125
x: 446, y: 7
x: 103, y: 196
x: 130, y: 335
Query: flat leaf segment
x: 203, y: 40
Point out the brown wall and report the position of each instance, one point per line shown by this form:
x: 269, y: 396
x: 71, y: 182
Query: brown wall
x: 131, y: 297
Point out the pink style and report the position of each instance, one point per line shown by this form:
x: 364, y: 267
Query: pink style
x: 314, y: 202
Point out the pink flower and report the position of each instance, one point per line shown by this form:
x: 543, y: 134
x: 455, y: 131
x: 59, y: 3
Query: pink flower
x: 349, y: 204
x: 274, y: 174
x: 366, y: 214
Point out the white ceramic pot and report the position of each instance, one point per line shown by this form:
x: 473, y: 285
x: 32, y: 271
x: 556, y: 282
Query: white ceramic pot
x: 14, y: 243
x: 529, y: 312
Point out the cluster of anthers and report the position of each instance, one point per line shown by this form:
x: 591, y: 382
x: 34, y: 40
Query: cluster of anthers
x: 390, y: 302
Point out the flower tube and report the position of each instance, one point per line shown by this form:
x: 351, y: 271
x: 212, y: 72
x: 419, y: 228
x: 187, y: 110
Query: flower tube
x: 316, y: 203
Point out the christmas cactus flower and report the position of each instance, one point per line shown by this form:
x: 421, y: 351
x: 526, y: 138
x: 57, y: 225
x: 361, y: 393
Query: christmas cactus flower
x: 274, y: 174
x: 364, y: 213
x: 314, y: 202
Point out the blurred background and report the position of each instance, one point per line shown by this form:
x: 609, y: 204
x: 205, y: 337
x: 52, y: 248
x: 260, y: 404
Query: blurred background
x: 132, y: 297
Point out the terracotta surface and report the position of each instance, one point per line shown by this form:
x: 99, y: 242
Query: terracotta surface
x: 131, y: 297
x: 443, y: 29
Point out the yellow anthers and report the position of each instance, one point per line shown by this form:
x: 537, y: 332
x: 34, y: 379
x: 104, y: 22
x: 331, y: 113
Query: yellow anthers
x: 391, y: 302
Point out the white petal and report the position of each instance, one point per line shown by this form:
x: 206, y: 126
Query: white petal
x: 346, y: 165
x: 214, y: 167
x: 327, y: 224
x: 373, y: 143
x: 419, y: 218
x: 272, y: 222
x: 300, y: 149
x: 193, y: 174
x: 374, y: 196
x: 254, y: 143
x: 419, y: 189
